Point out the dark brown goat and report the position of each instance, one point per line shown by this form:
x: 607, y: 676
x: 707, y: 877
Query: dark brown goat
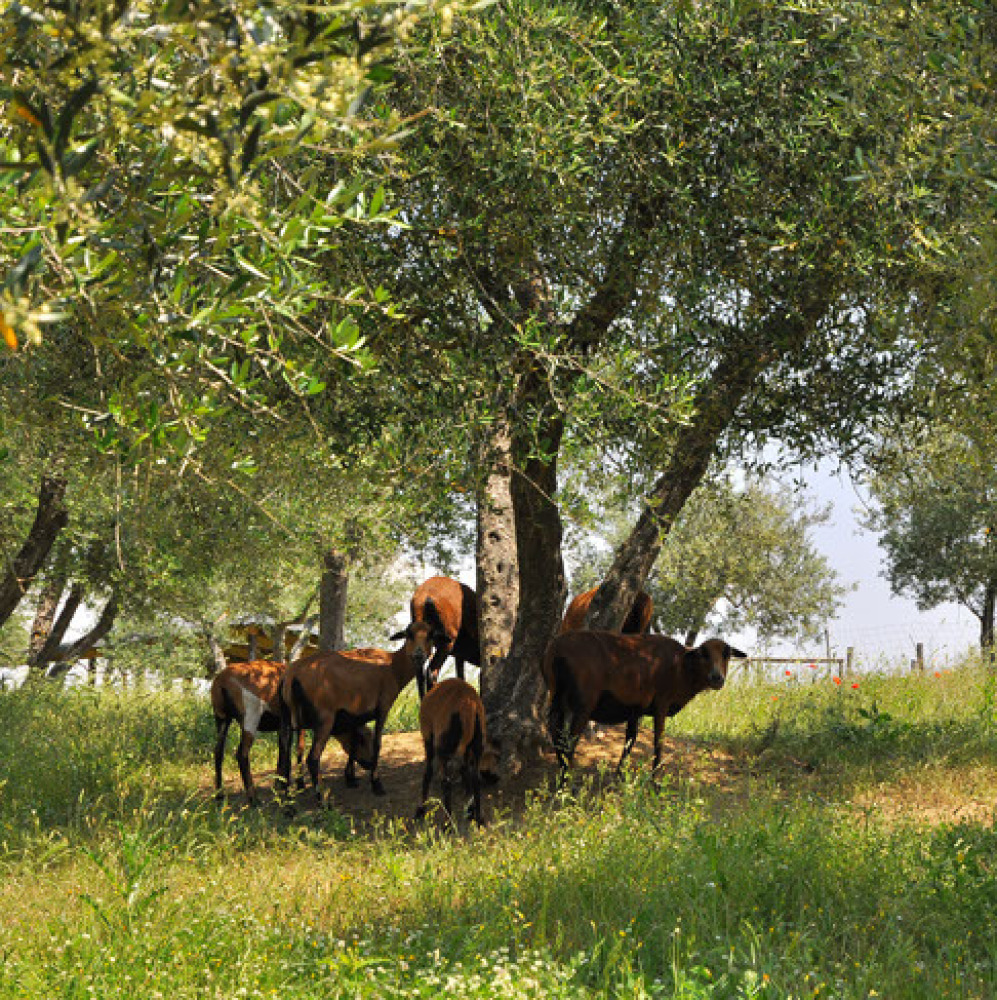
x: 335, y: 694
x: 452, y: 720
x: 613, y: 678
x: 638, y: 621
x: 450, y: 608
x: 248, y: 693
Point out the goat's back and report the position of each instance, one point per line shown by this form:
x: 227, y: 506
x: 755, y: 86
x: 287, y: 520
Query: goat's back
x: 637, y: 622
x: 452, y: 716
x: 334, y: 681
x: 260, y: 678
x: 629, y: 668
x: 448, y: 604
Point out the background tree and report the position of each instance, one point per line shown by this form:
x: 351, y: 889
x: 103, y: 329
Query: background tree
x: 736, y: 559
x: 935, y: 503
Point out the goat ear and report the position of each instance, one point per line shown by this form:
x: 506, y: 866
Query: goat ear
x: 398, y: 635
x: 736, y: 653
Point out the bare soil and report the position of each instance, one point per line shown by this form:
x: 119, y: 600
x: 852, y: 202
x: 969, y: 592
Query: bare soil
x: 727, y: 781
x: 403, y: 765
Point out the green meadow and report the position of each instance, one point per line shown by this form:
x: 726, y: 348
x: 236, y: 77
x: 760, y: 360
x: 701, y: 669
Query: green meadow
x: 808, y: 839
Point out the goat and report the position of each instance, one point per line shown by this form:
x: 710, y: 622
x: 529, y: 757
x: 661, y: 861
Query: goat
x: 335, y: 694
x: 452, y: 721
x: 248, y: 693
x: 450, y: 608
x: 612, y: 678
x: 638, y: 621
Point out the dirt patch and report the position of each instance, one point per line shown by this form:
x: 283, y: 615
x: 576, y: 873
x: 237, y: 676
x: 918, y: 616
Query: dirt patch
x: 727, y: 780
x: 403, y: 764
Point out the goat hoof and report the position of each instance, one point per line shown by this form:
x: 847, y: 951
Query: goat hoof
x: 420, y: 812
x: 377, y: 788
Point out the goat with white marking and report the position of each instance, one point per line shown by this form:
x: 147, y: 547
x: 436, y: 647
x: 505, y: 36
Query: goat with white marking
x: 248, y: 694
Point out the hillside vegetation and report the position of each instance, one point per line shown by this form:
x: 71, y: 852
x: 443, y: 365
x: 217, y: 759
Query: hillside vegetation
x: 807, y: 840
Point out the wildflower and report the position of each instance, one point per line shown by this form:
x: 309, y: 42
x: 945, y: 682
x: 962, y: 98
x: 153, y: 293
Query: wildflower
x: 837, y: 680
x: 855, y: 686
x: 789, y: 673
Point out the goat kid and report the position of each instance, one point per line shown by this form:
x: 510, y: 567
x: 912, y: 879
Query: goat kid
x: 452, y: 721
x: 611, y: 678
x: 336, y: 694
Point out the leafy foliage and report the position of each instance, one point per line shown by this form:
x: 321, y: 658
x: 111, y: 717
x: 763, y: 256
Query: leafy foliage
x: 735, y: 559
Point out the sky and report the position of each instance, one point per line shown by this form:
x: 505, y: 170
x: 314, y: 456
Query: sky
x: 880, y: 626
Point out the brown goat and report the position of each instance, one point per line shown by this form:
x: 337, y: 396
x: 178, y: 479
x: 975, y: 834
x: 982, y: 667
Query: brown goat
x: 248, y: 693
x: 335, y: 694
x: 450, y: 608
x: 638, y: 621
x: 452, y: 720
x: 613, y: 678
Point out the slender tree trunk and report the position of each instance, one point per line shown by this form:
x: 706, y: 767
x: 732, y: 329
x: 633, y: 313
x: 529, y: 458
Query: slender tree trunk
x: 279, y: 643
x: 497, y: 570
x: 695, y: 445
x: 101, y: 628
x: 307, y: 627
x: 49, y: 653
x: 41, y: 627
x: 217, y: 663
x: 332, y: 601
x: 987, y: 618
x: 50, y: 518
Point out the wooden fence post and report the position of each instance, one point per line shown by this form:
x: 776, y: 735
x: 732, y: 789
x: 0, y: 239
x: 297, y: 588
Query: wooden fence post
x: 849, y: 660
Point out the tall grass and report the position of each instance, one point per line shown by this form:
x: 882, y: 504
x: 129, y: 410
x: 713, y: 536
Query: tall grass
x: 118, y: 878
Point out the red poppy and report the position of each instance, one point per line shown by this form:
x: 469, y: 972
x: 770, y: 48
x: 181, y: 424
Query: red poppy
x: 854, y: 686
x: 837, y: 680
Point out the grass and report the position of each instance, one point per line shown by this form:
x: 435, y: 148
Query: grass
x: 837, y: 857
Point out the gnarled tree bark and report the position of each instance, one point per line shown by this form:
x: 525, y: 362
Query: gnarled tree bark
x: 50, y: 518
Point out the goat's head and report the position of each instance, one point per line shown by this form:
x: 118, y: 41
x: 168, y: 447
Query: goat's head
x: 419, y: 642
x: 709, y: 662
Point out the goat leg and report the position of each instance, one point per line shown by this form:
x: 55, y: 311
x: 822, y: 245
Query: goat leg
x: 628, y: 742
x: 427, y: 778
x: 221, y: 730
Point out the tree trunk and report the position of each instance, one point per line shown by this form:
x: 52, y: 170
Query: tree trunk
x: 102, y: 627
x: 332, y: 601
x: 307, y: 626
x: 49, y: 652
x: 694, y: 448
x: 517, y: 694
x: 50, y: 518
x: 279, y: 644
x: 217, y: 663
x: 497, y: 569
x: 987, y: 619
x: 41, y: 627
